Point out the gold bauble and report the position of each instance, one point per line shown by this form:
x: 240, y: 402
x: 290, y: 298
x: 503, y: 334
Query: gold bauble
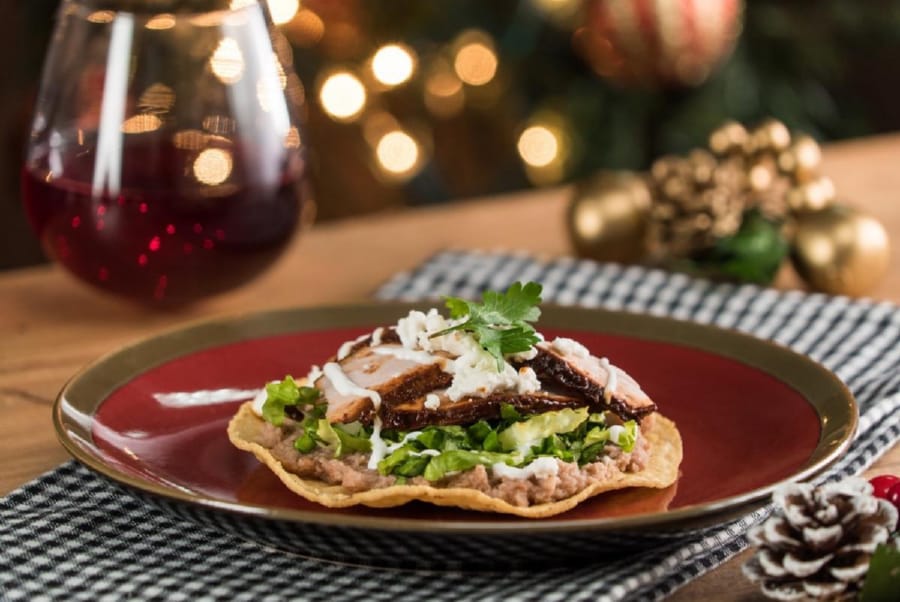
x: 839, y: 250
x: 608, y: 216
x: 728, y: 138
x: 769, y: 136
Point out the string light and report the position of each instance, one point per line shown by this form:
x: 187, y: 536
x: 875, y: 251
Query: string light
x: 212, y: 166
x: 544, y: 146
x: 283, y: 11
x: 306, y: 29
x: 475, y: 62
x: 538, y: 146
x: 444, y: 94
x: 141, y: 124
x: 101, y: 16
x: 398, y: 153
x: 161, y: 22
x: 342, y: 96
x: 393, y: 64
x: 157, y: 98
x: 227, y: 62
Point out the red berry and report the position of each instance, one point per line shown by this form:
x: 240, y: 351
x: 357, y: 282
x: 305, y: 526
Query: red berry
x: 893, y: 495
x: 882, y: 484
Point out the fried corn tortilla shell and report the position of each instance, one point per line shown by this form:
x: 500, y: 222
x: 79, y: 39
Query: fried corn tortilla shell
x: 245, y: 430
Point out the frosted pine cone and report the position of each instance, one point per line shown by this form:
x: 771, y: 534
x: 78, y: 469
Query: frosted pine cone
x: 818, y: 543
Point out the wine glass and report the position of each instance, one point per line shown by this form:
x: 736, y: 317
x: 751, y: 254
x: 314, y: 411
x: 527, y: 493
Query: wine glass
x: 166, y: 158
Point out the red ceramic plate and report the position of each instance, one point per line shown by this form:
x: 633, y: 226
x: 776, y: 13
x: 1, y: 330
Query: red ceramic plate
x: 752, y: 414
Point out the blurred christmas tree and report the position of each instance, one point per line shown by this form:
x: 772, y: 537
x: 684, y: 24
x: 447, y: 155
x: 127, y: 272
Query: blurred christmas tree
x: 416, y: 102
x: 413, y: 102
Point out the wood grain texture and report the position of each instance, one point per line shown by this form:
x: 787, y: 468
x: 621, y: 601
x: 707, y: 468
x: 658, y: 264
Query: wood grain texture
x: 51, y: 326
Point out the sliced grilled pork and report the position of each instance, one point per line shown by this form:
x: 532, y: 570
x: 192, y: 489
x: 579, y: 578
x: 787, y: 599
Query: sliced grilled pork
x: 392, y: 372
x: 569, y: 365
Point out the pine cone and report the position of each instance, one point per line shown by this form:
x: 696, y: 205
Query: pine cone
x: 697, y: 200
x: 819, y: 545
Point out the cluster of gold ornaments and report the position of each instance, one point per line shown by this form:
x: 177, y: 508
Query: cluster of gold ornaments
x: 685, y: 204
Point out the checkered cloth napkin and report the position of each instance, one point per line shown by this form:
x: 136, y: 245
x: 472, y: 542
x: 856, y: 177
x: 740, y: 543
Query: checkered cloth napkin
x: 71, y: 535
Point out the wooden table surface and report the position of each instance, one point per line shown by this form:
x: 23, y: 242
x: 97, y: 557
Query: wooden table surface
x: 51, y: 325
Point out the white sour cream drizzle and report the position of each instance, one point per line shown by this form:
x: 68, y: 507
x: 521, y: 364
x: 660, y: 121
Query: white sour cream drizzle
x: 611, y: 378
x: 345, y: 386
x: 541, y: 468
x: 412, y: 355
x: 376, y: 335
x: 344, y: 349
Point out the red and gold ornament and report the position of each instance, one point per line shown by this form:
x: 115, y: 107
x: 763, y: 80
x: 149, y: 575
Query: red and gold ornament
x: 658, y: 42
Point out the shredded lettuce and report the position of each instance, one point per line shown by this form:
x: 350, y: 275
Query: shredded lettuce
x: 284, y: 393
x: 522, y: 436
x: 340, y: 438
x: 459, y: 460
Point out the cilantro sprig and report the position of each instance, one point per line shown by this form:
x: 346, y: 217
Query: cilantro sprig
x: 500, y: 322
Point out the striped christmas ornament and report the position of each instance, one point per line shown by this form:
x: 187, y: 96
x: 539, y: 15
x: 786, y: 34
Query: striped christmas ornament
x: 658, y: 42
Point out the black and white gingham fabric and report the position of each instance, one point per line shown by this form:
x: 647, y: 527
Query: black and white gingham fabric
x: 72, y: 535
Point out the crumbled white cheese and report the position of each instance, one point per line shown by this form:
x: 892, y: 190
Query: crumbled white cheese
x: 475, y: 374
x: 570, y: 347
x: 432, y: 401
x: 415, y: 332
x: 540, y: 468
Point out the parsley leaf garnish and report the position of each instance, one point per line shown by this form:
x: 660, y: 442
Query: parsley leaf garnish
x: 500, y: 322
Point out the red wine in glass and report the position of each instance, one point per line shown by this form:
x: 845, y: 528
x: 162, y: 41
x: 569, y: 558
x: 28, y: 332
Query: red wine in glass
x: 166, y: 160
x: 163, y: 238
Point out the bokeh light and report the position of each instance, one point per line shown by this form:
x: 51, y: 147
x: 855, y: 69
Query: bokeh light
x: 157, y: 98
x: 292, y: 139
x: 306, y: 29
x: 538, y: 146
x: 283, y: 11
x: 475, y: 61
x: 212, y: 166
x: 398, y: 153
x: 101, y: 16
x: 342, y: 96
x: 190, y: 139
x: 160, y: 22
x: 444, y: 93
x: 227, y: 62
x: 141, y: 124
x: 393, y: 64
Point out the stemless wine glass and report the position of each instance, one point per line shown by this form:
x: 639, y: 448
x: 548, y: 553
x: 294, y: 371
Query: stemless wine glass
x: 165, y: 160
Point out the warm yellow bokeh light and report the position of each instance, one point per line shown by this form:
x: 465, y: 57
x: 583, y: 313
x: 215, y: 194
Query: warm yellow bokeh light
x: 393, y: 64
x: 307, y: 28
x: 342, y: 96
x: 157, y: 98
x: 283, y: 11
x: 190, y: 139
x: 538, y: 146
x: 397, y: 152
x: 160, y: 22
x: 475, y: 63
x: 212, y: 166
x: 101, y: 16
x: 236, y: 4
x: 140, y: 124
x: 292, y: 139
x: 227, y: 62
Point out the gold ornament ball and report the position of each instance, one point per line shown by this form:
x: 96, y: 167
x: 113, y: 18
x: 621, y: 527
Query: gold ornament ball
x: 608, y: 217
x: 839, y: 250
x: 729, y: 137
x: 769, y: 136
